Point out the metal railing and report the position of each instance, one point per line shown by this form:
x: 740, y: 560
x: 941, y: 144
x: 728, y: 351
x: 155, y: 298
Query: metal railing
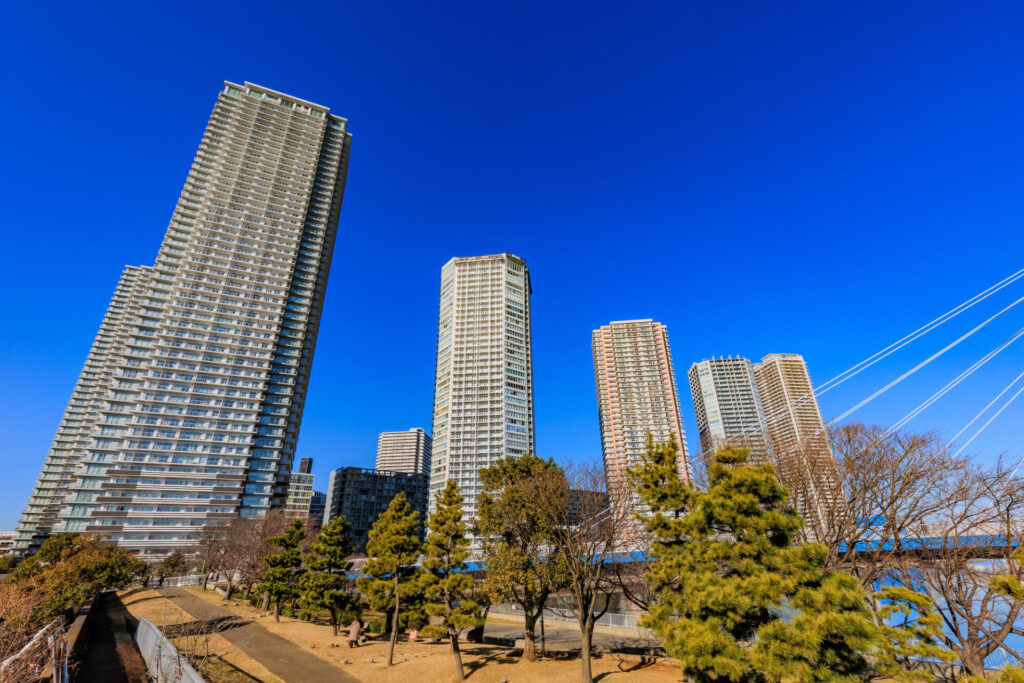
x: 606, y: 619
x: 164, y: 662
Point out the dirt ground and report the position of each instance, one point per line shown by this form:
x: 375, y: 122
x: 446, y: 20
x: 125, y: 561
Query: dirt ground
x: 433, y: 661
x: 227, y: 663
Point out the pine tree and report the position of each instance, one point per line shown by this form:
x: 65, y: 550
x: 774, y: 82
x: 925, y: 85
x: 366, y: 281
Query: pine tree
x: 725, y: 570
x: 389, y: 577
x: 325, y: 584
x: 446, y: 581
x: 284, y: 571
x: 911, y: 634
x: 516, y: 518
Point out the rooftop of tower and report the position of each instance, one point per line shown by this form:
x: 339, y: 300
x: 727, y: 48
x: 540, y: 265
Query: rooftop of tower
x: 487, y: 257
x: 248, y: 87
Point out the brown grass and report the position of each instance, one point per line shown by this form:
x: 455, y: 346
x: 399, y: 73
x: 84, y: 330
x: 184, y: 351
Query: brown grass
x: 433, y: 662
x: 229, y: 665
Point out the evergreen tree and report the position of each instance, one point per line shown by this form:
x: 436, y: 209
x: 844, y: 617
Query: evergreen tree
x: 726, y: 572
x: 173, y: 565
x: 516, y: 515
x: 446, y: 581
x: 389, y: 578
x: 325, y: 584
x: 281, y: 579
x: 911, y: 634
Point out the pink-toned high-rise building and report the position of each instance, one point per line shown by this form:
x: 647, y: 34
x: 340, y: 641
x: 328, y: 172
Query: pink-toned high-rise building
x: 636, y: 397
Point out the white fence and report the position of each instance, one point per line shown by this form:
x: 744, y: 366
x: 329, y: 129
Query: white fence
x: 165, y: 663
x: 607, y: 619
x: 190, y: 580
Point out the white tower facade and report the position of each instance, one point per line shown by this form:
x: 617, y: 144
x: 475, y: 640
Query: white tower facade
x: 407, y: 451
x: 728, y: 408
x: 188, y: 409
x: 483, y: 390
x: 799, y: 438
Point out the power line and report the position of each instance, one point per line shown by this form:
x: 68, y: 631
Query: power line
x: 893, y: 348
x: 922, y: 364
x: 985, y: 409
x: 990, y: 420
x: 954, y: 383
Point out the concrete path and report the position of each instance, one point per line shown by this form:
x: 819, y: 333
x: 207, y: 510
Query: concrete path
x: 285, y: 659
x: 564, y: 635
x: 110, y: 654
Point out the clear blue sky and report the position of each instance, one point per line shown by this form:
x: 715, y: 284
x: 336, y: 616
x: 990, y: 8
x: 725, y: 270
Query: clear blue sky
x: 761, y: 177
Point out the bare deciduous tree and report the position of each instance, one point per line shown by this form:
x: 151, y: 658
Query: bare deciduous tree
x: 588, y: 532
x: 960, y: 550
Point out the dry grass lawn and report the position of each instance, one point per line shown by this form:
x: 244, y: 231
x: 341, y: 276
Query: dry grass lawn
x: 416, y: 662
x: 227, y: 665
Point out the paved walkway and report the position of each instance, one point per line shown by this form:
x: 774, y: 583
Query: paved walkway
x: 565, y: 635
x: 110, y: 654
x: 285, y: 659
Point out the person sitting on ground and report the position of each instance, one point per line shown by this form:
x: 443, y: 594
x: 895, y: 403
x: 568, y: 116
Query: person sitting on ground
x: 353, y: 633
x: 414, y: 634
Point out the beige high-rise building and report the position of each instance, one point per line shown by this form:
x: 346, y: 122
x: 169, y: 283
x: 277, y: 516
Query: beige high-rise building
x: 187, y: 411
x: 728, y: 408
x: 407, y: 451
x: 483, y: 386
x: 636, y: 397
x: 798, y: 436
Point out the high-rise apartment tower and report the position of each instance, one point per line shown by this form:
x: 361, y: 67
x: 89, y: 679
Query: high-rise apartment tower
x: 799, y: 439
x: 483, y: 387
x: 636, y: 397
x: 407, y: 451
x: 728, y: 408
x: 188, y: 408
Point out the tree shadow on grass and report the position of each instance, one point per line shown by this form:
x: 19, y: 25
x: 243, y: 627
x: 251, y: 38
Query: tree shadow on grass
x: 486, y: 655
x: 204, y: 626
x: 638, y: 665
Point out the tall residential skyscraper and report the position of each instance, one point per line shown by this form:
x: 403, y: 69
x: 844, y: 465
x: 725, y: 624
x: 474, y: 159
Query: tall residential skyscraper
x: 300, y: 490
x: 483, y: 385
x: 636, y: 397
x: 798, y: 436
x: 728, y: 408
x: 188, y: 408
x: 407, y: 451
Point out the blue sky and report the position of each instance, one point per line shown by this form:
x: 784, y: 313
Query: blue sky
x: 761, y: 177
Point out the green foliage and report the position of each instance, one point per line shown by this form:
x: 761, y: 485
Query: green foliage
x: 1010, y: 585
x: 445, y: 581
x: 325, y: 586
x: 520, y: 503
x: 8, y: 563
x: 911, y: 630
x: 173, y: 565
x: 72, y: 569
x: 281, y: 579
x: 50, y: 552
x: 725, y: 569
x: 1014, y: 674
x: 393, y: 547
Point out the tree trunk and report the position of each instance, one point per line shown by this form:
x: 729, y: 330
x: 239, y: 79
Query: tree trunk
x: 529, y: 648
x: 457, y: 654
x: 265, y: 602
x: 586, y: 635
x: 248, y: 590
x: 277, y: 610
x: 206, y: 579
x: 334, y: 623
x: 394, y: 625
